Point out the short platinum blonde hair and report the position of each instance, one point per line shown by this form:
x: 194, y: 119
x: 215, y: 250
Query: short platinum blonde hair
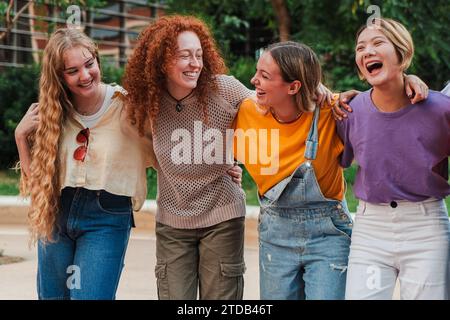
x: 399, y: 37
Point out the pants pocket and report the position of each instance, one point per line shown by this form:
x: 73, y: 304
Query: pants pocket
x: 233, y: 279
x: 162, y: 281
x: 338, y: 226
x: 112, y: 203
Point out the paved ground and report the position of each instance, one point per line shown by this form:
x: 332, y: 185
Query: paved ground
x: 18, y: 280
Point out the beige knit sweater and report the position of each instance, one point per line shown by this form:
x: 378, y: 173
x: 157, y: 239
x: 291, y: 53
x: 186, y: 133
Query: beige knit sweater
x: 194, y: 191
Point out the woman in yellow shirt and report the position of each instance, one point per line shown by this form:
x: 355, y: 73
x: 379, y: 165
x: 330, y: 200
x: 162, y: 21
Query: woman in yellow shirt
x: 291, y: 150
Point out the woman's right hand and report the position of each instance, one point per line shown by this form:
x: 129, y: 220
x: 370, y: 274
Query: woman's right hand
x: 29, y: 122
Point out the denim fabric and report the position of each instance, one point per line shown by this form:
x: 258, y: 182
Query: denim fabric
x: 91, y: 236
x: 304, y: 237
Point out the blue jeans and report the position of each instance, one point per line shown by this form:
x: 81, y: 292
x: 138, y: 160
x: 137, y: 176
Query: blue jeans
x: 303, y: 253
x: 91, y: 236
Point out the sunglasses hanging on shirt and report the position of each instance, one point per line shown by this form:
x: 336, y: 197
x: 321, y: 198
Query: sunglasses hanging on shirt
x: 80, y: 152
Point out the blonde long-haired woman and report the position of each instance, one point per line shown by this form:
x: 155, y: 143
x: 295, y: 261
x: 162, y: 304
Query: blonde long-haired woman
x: 84, y: 166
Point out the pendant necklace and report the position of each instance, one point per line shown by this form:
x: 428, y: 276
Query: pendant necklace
x: 179, y: 107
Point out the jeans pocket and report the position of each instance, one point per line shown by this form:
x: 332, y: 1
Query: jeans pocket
x: 162, y: 282
x: 112, y: 203
x: 338, y: 226
x: 233, y: 278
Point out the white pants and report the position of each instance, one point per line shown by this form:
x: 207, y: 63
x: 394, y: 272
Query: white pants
x: 410, y: 242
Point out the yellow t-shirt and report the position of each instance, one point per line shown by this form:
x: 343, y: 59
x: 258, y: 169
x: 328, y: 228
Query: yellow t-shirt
x: 271, y: 151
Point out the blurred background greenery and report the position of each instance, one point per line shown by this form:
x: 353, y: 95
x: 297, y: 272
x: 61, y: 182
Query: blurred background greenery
x: 241, y: 27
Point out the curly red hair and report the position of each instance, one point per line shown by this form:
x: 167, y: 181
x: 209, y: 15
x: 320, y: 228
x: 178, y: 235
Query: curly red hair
x: 145, y: 74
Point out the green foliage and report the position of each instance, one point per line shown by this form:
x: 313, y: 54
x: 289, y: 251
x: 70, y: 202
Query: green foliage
x: 229, y: 20
x: 18, y: 89
x: 243, y: 69
x: 111, y: 73
x: 249, y: 187
x: 332, y: 35
x: 329, y: 27
x: 151, y: 184
x: 350, y: 173
x: 9, y: 183
x: 3, y: 8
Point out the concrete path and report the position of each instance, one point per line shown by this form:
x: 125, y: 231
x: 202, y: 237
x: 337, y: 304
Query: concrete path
x: 18, y: 280
x: 138, y: 282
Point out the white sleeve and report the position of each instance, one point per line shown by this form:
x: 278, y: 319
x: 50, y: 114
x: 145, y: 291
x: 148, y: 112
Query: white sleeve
x: 446, y: 90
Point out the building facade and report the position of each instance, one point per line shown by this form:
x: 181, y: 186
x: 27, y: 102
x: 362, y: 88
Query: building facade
x: 115, y: 28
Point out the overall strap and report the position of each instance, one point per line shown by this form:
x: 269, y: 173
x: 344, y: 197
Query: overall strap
x: 312, y: 142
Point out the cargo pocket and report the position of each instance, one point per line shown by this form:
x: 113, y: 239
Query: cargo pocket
x: 233, y: 276
x: 162, y: 282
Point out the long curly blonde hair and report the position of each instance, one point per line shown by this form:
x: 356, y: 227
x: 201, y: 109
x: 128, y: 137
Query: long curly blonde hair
x: 55, y: 106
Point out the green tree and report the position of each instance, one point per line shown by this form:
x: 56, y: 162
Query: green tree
x: 332, y: 34
x: 329, y: 27
x: 230, y: 21
x: 18, y: 89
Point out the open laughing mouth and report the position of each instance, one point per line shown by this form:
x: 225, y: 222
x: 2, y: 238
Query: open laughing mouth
x: 374, y: 66
x: 260, y: 93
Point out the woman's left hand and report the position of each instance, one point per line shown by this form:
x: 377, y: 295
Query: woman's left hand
x: 322, y: 95
x: 236, y: 174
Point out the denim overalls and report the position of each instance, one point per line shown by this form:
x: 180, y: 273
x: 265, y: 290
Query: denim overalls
x: 304, y: 238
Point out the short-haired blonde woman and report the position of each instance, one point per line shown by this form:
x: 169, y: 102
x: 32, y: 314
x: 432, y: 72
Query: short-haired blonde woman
x: 84, y: 167
x: 401, y: 228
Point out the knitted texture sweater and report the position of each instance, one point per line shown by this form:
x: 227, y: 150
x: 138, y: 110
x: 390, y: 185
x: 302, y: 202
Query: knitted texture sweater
x: 194, y: 189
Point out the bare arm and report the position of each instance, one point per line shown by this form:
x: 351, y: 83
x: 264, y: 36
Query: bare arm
x: 26, y: 126
x: 322, y: 95
x: 415, y: 89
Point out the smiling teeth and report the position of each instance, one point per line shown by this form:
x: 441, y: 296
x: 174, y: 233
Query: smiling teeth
x: 371, y: 64
x: 86, y: 85
x: 191, y: 74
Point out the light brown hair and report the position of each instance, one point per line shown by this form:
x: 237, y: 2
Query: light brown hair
x: 297, y: 61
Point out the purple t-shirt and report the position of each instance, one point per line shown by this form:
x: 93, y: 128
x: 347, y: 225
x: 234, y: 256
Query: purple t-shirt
x: 401, y: 155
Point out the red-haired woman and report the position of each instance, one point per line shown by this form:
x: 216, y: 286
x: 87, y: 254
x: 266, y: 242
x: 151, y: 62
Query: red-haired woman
x: 175, y: 85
